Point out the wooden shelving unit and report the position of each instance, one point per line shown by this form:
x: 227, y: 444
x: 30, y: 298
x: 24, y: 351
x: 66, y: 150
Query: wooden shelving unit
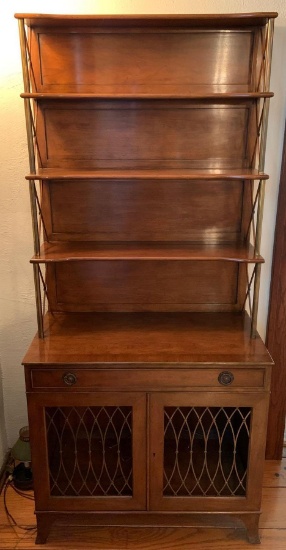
x: 147, y: 383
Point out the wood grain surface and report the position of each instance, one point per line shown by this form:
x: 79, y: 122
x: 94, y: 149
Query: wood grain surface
x: 144, y: 134
x: 148, y: 337
x: 143, y: 286
x: 144, y: 210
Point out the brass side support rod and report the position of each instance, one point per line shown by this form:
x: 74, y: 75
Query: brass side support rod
x: 32, y: 163
x: 259, y: 218
x: 25, y: 67
x: 255, y: 300
x: 264, y: 125
x: 261, y: 162
x: 29, y: 131
x: 35, y: 227
x: 39, y: 306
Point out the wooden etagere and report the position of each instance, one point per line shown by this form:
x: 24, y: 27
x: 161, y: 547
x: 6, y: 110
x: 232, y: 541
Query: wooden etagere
x: 147, y: 383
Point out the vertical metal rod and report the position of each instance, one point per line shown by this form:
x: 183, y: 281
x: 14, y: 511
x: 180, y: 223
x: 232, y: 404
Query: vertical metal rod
x: 35, y: 226
x: 32, y: 163
x: 39, y: 306
x: 264, y: 125
x: 269, y: 51
x: 259, y: 218
x: 266, y: 108
x: 30, y: 140
x: 28, y: 114
x: 25, y: 67
x: 262, y: 150
x: 255, y: 300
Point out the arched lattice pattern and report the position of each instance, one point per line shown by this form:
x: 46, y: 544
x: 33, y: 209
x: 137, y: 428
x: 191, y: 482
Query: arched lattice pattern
x: 206, y: 451
x: 90, y: 450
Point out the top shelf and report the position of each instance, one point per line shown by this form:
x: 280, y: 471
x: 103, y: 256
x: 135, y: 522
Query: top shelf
x: 149, y: 21
x: 197, y: 57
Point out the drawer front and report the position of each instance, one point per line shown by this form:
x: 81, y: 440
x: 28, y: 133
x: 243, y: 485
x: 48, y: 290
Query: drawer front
x: 74, y: 379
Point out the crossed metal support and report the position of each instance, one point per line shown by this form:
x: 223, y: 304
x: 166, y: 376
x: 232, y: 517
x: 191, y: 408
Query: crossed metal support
x: 32, y: 144
x: 265, y: 44
x: 41, y: 297
x: 258, y: 158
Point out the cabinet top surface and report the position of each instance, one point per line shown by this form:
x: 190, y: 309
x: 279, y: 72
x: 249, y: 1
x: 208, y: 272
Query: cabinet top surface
x: 195, y: 338
x: 171, y: 20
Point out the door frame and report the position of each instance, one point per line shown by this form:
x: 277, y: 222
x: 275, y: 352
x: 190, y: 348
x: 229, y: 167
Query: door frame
x: 276, y: 328
x: 37, y: 404
x: 251, y: 501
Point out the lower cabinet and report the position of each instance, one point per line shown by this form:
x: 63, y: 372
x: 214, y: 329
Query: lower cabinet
x: 150, y: 452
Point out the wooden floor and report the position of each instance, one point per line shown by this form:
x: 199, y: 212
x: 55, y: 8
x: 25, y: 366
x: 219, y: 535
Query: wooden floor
x: 273, y: 527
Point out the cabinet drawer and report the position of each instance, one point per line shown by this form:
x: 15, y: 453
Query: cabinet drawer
x: 73, y: 379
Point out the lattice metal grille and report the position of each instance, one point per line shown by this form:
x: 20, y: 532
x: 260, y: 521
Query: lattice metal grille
x: 206, y: 451
x: 90, y: 450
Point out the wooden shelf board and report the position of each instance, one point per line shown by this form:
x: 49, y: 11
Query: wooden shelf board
x: 82, y: 251
x: 193, y: 338
x: 169, y: 174
x: 178, y: 93
x: 148, y: 21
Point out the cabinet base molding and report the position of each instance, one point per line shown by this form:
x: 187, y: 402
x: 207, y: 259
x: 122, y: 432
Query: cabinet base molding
x: 238, y: 520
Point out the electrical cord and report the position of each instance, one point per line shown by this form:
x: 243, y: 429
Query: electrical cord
x: 21, y: 493
x: 9, y: 483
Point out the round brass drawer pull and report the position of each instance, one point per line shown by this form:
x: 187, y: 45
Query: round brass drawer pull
x: 69, y: 379
x: 225, y: 378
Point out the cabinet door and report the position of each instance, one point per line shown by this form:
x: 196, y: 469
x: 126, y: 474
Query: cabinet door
x: 88, y: 450
x: 207, y: 451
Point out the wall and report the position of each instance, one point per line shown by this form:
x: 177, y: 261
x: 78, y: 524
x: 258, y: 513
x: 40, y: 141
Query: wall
x: 16, y: 284
x: 3, y: 435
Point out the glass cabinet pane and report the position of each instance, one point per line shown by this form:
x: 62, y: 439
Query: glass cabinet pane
x: 90, y: 450
x: 206, y: 451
